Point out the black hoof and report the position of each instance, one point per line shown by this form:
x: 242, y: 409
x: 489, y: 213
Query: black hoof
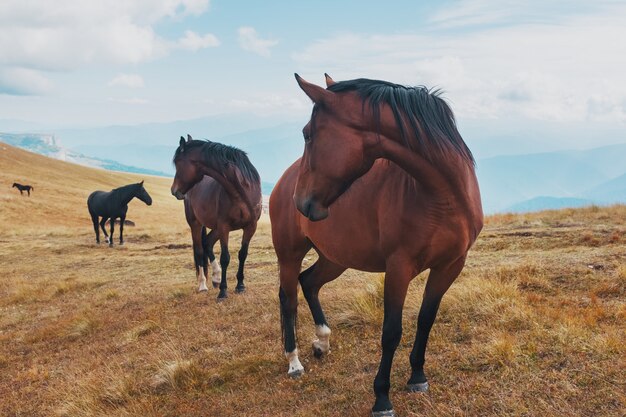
x: 317, y: 352
x: 223, y: 295
x: 215, y: 284
x: 418, y: 387
x: 296, y: 374
x: 384, y: 413
x: 239, y: 289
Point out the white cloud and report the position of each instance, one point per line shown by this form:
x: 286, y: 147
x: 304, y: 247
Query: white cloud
x: 64, y: 35
x: 250, y: 41
x: 564, y: 71
x: 23, y: 82
x: 193, y: 42
x: 129, y: 100
x: 127, y: 80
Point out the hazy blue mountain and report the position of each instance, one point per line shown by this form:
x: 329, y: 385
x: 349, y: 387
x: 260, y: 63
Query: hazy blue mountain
x: 612, y: 191
x: 548, y: 203
x: 47, y: 145
x: 507, y: 180
x: 166, y: 133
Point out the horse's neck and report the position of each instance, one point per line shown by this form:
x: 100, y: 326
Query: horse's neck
x: 125, y: 194
x: 231, y: 183
x: 414, y: 164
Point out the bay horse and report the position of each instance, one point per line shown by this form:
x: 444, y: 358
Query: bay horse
x: 113, y: 205
x: 22, y: 188
x: 385, y: 184
x: 222, y: 192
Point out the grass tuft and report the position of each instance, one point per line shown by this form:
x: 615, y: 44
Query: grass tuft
x: 367, y: 307
x: 81, y: 327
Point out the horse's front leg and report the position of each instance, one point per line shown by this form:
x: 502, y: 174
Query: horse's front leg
x: 439, y: 280
x: 248, y: 232
x: 122, y: 219
x: 397, y: 278
x: 224, y: 261
x: 112, y: 223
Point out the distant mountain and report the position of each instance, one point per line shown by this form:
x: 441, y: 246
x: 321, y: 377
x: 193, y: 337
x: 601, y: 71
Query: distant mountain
x: 508, y: 180
x: 548, y: 203
x: 46, y: 144
x: 613, y: 191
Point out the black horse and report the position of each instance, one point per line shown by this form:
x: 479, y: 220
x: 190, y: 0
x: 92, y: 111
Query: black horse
x: 23, y: 188
x: 113, y: 205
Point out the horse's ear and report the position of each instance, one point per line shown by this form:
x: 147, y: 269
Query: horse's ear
x: 315, y: 92
x: 182, y: 143
x: 141, y: 183
x: 189, y: 138
x: 329, y: 81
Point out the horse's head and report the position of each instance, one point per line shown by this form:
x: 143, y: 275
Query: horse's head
x: 338, y: 149
x: 14, y: 185
x: 143, y: 195
x: 187, y: 161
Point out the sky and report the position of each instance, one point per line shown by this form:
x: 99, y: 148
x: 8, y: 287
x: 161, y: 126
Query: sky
x: 81, y: 63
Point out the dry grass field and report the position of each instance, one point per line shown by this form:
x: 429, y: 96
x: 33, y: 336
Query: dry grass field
x: 535, y: 325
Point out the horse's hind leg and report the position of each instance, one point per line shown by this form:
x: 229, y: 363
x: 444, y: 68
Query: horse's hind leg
x: 208, y: 241
x: 248, y: 232
x: 102, y: 224
x: 439, y: 280
x: 222, y: 232
x: 312, y: 280
x: 198, y: 254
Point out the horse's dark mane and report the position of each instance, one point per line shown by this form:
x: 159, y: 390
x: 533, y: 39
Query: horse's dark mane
x: 217, y: 154
x: 424, y: 110
x: 126, y: 187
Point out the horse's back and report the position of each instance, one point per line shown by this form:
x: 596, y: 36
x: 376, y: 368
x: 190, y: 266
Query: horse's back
x: 96, y: 202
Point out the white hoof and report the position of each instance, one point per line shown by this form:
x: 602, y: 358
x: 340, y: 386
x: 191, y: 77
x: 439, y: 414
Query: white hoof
x: 203, y: 288
x: 321, y: 345
x: 295, y: 367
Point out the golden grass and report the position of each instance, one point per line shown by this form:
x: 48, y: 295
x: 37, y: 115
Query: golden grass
x: 534, y: 325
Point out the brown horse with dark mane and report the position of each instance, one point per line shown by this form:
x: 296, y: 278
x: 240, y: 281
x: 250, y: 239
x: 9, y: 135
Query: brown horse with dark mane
x: 386, y: 183
x: 227, y: 198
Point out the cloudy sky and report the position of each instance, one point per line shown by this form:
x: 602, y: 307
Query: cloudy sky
x: 103, y: 62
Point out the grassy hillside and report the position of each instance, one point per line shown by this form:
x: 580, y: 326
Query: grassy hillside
x: 535, y: 324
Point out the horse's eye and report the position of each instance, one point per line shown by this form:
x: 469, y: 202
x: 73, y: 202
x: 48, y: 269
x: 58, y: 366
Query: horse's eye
x: 307, y: 136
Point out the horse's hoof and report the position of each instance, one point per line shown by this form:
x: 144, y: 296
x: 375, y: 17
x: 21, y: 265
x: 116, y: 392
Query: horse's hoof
x: 318, y: 352
x: 216, y: 284
x: 295, y: 374
x: 384, y: 413
x: 419, y: 387
x: 203, y: 289
x: 121, y: 243
x: 222, y: 296
x: 240, y: 290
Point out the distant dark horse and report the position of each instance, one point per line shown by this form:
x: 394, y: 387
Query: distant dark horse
x: 386, y: 183
x: 22, y: 188
x: 227, y: 198
x: 113, y: 205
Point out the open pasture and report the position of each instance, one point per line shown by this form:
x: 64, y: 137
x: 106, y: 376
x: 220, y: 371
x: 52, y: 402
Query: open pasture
x: 535, y: 324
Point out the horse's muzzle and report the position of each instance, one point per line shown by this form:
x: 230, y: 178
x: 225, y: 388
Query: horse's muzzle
x: 312, y: 209
x: 178, y: 195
